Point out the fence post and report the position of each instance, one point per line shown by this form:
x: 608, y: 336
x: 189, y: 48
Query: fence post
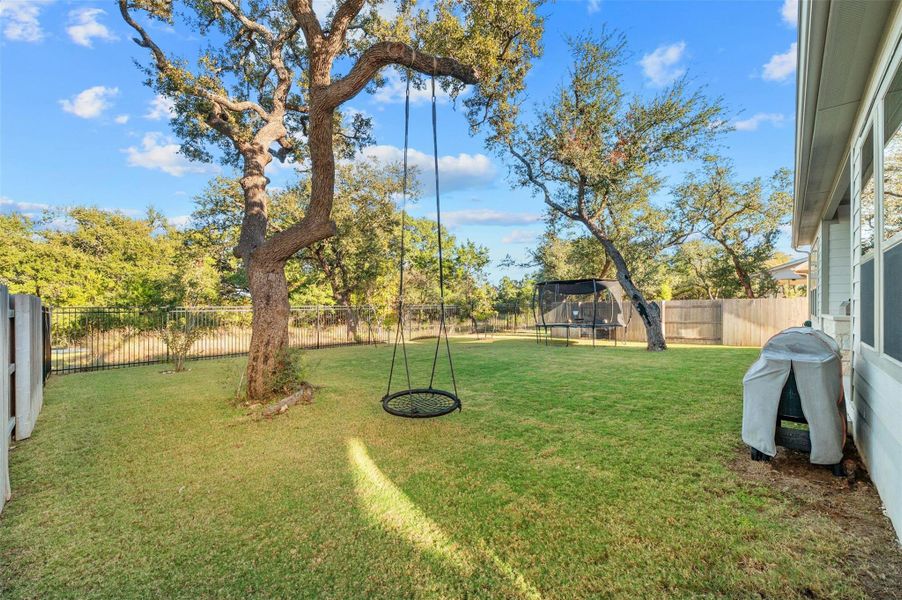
x: 166, y: 328
x: 664, y: 319
x: 6, y: 375
x: 29, y: 363
x: 318, y: 326
x: 721, y: 322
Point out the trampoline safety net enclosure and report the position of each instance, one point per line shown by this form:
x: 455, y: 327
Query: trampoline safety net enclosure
x: 577, y: 308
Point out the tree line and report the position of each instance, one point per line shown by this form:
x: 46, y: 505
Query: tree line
x: 86, y: 256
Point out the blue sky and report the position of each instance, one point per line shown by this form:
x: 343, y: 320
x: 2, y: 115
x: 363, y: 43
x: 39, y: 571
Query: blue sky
x: 77, y: 126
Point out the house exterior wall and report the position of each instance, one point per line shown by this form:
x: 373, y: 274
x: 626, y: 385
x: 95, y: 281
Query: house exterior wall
x: 837, y: 273
x: 845, y: 263
x: 876, y: 378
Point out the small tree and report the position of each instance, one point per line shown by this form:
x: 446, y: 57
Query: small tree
x: 467, y: 282
x: 265, y: 87
x: 179, y: 333
x: 591, y: 155
x: 743, y: 219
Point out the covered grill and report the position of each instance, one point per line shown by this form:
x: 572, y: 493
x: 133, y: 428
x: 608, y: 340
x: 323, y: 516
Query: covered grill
x: 797, y: 378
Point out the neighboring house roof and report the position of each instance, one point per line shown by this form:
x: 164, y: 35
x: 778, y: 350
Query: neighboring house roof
x: 838, y: 43
x: 792, y: 270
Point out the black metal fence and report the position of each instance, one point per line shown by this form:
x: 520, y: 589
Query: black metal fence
x: 90, y: 338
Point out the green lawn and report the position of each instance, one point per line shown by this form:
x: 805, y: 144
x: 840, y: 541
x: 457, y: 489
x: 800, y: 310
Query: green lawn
x: 570, y: 473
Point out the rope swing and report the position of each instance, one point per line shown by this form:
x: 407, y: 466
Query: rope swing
x: 426, y: 401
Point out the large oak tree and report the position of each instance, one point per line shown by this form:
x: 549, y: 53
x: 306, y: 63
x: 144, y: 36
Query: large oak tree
x: 270, y: 83
x: 592, y: 151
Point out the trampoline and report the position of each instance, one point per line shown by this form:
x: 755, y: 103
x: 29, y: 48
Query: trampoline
x: 578, y: 307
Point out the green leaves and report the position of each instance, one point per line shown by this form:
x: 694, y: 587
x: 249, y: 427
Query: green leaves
x: 742, y: 219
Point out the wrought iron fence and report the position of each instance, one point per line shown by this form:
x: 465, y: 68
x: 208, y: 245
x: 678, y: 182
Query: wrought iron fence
x: 90, y: 338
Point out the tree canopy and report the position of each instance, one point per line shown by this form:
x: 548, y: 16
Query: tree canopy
x: 742, y: 220
x: 88, y: 256
x: 592, y: 151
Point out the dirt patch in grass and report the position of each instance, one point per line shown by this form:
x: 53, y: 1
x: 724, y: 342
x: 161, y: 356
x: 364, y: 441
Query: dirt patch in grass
x: 873, y: 555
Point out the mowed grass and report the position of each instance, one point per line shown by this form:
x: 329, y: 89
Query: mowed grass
x: 570, y: 473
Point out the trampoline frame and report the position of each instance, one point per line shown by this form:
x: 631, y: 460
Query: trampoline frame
x: 598, y: 285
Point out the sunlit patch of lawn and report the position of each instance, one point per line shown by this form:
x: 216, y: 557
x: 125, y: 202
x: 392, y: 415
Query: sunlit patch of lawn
x: 570, y: 473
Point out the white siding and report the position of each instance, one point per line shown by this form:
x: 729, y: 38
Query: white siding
x: 876, y: 407
x: 877, y: 428
x: 838, y: 268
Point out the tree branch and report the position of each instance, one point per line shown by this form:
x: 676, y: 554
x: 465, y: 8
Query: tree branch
x: 247, y: 22
x: 340, y: 23
x: 382, y: 54
x: 530, y: 175
x: 167, y: 69
x: 303, y: 14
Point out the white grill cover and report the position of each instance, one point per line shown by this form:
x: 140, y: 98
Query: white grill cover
x: 817, y: 363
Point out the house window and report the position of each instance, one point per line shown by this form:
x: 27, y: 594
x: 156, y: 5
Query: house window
x: 868, y: 213
x: 813, y: 266
x: 892, y: 301
x: 867, y: 302
x: 892, y: 160
x: 868, y: 221
x: 891, y: 211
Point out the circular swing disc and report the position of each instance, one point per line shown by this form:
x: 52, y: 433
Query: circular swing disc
x: 420, y: 403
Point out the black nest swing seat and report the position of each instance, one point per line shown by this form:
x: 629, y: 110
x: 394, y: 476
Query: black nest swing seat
x: 423, y: 402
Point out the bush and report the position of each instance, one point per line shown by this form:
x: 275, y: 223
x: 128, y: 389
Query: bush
x: 292, y: 376
x: 179, y: 336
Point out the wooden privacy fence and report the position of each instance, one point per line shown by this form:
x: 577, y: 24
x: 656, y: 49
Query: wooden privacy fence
x: 733, y: 322
x: 24, y: 347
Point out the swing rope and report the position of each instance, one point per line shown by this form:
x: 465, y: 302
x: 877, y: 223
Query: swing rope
x: 421, y: 402
x: 441, y: 263
x: 399, y: 333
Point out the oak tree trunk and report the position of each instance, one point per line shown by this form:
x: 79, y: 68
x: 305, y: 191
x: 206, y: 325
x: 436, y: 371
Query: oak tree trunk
x: 353, y: 318
x: 265, y: 258
x: 741, y: 274
x: 649, y: 312
x: 266, y: 282
x: 269, y: 339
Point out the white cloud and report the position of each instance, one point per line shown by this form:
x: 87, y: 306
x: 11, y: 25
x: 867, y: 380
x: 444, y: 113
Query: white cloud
x: 790, y: 12
x: 20, y: 20
x: 752, y: 123
x: 161, y: 107
x: 161, y: 153
x: 32, y: 210
x: 486, y: 216
x: 84, y: 27
x: 392, y: 92
x: 781, y: 66
x: 455, y: 172
x: 179, y: 221
x: 90, y: 103
x: 520, y: 236
x: 121, y: 119
x: 662, y: 66
x: 593, y: 6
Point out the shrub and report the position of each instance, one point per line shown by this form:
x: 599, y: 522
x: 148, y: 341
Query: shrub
x: 292, y: 375
x: 179, y: 336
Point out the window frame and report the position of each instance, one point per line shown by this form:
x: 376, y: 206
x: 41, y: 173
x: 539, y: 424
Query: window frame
x: 859, y: 259
x: 881, y: 245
